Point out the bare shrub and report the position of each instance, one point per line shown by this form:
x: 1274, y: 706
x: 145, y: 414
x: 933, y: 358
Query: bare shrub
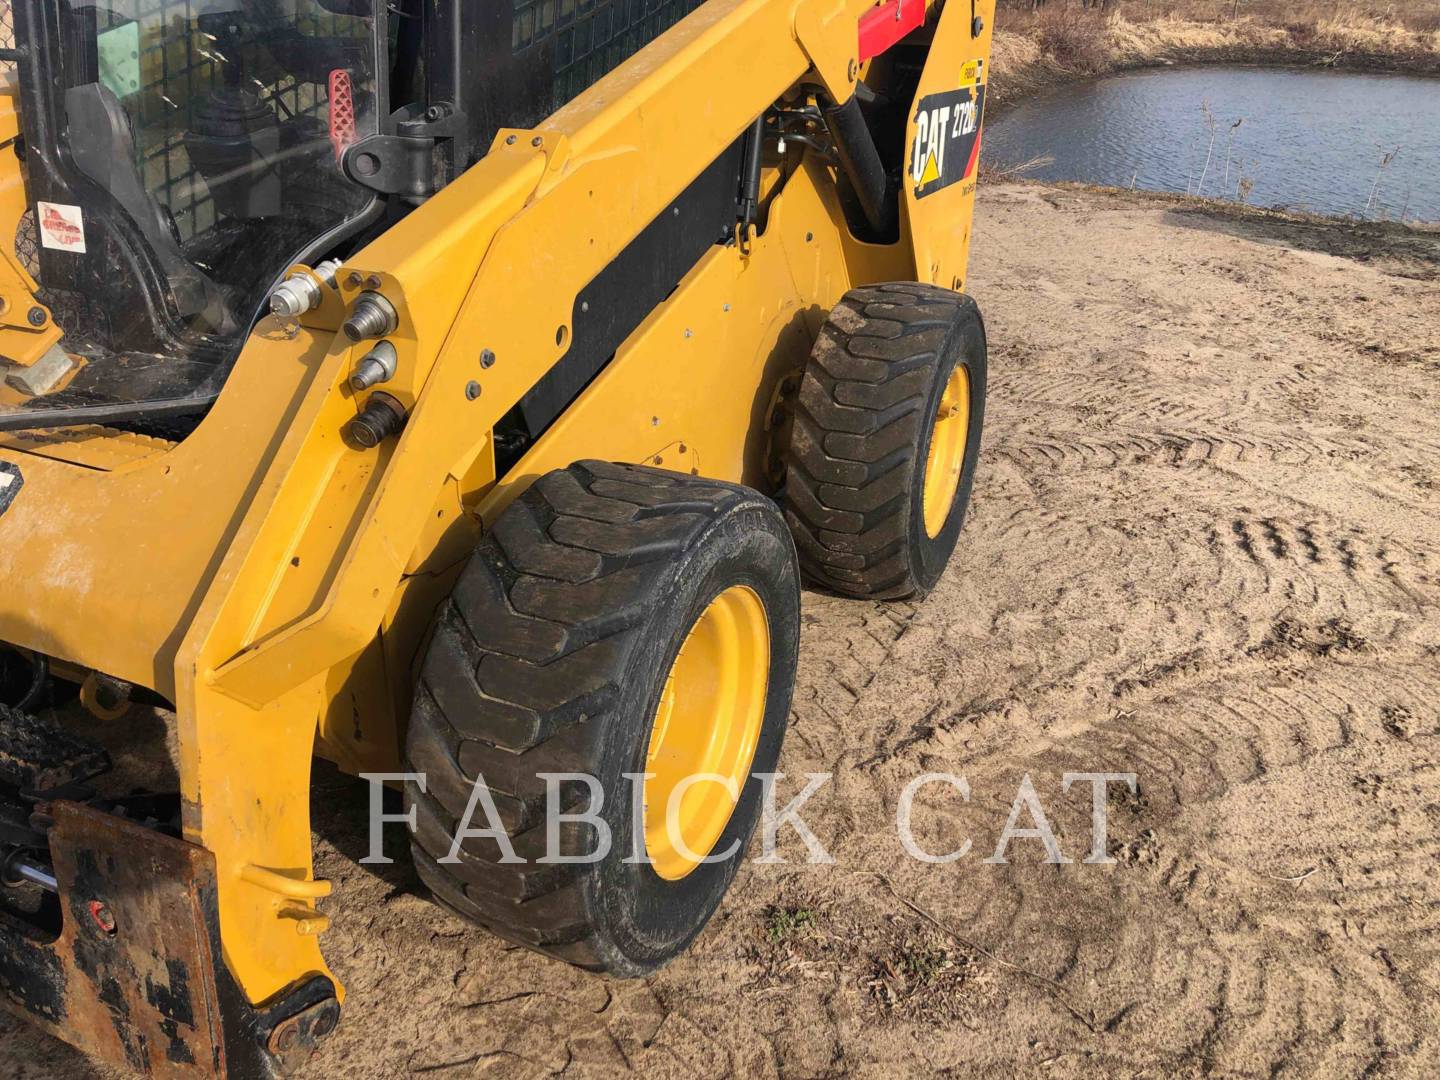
x: 1074, y: 37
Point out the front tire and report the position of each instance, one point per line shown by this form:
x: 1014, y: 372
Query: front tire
x: 885, y: 439
x: 609, y: 605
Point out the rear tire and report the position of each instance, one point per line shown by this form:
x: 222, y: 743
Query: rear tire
x: 896, y: 371
x: 551, y: 656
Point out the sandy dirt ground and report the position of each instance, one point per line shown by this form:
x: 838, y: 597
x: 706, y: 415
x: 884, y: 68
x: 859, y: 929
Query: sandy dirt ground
x: 1204, y: 548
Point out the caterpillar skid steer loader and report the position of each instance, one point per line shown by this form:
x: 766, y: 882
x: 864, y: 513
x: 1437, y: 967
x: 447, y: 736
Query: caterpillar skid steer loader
x: 458, y: 390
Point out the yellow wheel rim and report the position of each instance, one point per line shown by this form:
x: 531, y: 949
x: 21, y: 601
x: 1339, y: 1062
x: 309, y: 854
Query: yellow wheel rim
x: 706, y: 725
x: 946, y: 456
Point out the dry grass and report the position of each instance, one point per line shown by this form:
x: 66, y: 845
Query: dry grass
x: 1063, y: 39
x: 1420, y: 15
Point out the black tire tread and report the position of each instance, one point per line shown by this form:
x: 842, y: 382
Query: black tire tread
x: 857, y: 444
x: 525, y: 655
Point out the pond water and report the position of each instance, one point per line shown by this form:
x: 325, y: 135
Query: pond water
x: 1306, y: 140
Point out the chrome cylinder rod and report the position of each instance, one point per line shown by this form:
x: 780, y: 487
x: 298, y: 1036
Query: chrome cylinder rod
x: 16, y: 869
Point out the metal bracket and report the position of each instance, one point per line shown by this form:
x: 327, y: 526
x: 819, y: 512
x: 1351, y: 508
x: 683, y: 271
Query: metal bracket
x: 438, y: 121
x: 137, y: 976
x: 403, y: 161
x: 829, y: 34
x: 393, y: 165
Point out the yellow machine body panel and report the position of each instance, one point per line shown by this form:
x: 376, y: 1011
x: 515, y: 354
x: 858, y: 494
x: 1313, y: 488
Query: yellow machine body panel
x: 943, y: 140
x: 275, y: 581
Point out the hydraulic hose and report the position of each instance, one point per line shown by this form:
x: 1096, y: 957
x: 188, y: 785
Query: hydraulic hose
x: 860, y: 159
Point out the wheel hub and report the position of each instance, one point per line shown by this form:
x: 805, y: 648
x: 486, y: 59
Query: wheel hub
x: 705, y: 731
x: 946, y: 456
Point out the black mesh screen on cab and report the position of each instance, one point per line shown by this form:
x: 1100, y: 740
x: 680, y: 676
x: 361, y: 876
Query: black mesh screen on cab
x: 590, y: 37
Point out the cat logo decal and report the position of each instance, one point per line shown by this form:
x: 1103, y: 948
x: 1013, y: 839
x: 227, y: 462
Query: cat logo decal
x: 947, y: 134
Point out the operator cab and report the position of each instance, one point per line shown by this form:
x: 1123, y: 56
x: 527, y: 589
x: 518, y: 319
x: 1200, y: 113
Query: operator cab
x: 177, y: 157
x: 180, y: 156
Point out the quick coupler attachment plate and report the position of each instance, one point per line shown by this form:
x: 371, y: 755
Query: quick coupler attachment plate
x: 136, y: 975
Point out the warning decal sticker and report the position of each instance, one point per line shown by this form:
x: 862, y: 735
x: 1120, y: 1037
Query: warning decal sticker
x: 62, y: 227
x: 947, y: 134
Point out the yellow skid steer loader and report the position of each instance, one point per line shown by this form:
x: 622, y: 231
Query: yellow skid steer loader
x: 458, y: 390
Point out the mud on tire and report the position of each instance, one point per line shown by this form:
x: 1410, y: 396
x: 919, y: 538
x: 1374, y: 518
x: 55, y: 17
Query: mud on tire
x: 550, y: 657
x: 864, y: 417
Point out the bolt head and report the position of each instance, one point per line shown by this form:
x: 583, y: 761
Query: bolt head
x: 537, y: 141
x: 355, y: 280
x: 487, y: 358
x: 36, y: 316
x: 509, y: 140
x: 373, y: 281
x: 472, y: 390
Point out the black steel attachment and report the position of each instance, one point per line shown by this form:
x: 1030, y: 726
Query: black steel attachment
x: 135, y: 974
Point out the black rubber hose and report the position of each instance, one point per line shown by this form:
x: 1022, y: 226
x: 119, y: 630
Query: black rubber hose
x: 861, y: 161
x: 39, y: 676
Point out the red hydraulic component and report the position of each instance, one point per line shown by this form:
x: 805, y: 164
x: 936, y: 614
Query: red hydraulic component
x: 883, y: 26
x: 342, y: 111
